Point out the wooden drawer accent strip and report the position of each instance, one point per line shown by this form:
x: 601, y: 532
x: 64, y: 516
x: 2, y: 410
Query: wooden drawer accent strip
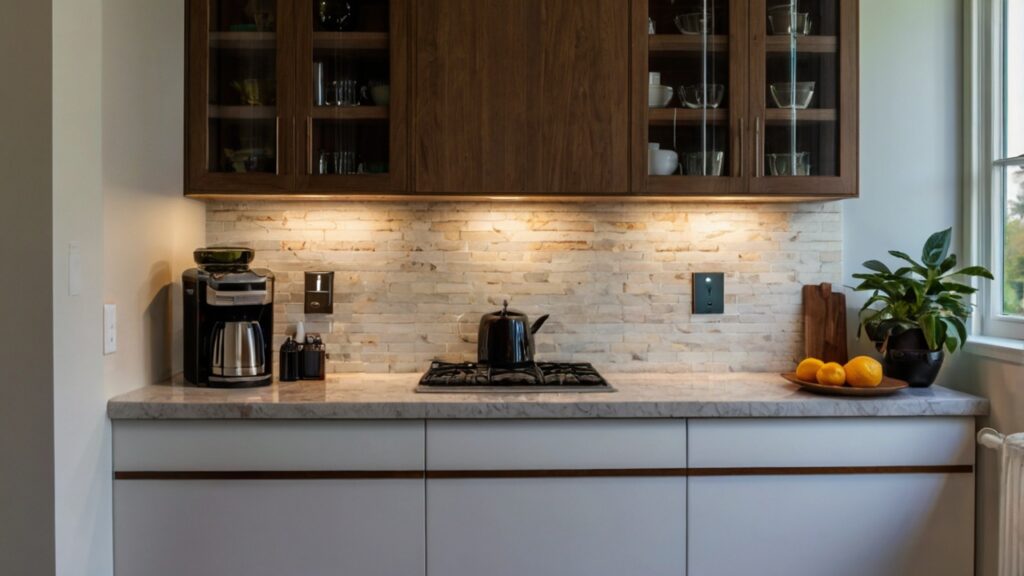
x: 273, y: 475
x: 831, y: 470
x: 568, y: 473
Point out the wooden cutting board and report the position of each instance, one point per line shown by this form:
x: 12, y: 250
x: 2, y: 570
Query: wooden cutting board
x: 824, y: 323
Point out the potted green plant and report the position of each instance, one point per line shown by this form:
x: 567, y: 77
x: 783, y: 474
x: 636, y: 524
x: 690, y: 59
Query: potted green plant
x: 917, y: 312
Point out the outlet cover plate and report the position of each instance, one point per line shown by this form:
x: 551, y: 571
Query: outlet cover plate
x: 708, y: 293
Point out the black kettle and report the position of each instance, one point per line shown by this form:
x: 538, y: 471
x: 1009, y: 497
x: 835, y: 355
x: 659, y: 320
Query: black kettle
x: 506, y: 338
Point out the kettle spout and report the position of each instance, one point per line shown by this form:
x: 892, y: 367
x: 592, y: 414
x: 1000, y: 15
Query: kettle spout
x: 538, y: 323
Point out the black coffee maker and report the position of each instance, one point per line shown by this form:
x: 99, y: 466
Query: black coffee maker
x: 229, y: 320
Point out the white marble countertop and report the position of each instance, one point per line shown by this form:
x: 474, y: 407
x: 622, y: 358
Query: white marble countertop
x: 392, y: 396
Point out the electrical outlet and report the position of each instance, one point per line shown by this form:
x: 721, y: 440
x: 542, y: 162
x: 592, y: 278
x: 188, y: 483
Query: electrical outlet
x: 109, y: 329
x: 708, y: 293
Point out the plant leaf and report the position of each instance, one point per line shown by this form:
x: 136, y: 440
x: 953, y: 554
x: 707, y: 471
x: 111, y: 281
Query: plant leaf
x: 948, y: 264
x: 936, y: 248
x: 877, y: 266
x: 961, y: 329
x: 928, y: 326
x: 974, y: 271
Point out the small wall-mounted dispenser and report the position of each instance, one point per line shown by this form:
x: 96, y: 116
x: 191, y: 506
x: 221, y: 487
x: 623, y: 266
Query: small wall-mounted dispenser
x: 319, y: 293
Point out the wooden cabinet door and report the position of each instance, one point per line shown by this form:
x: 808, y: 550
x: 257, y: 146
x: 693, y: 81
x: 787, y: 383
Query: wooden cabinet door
x: 352, y: 98
x: 526, y: 97
x: 804, y: 98
x: 690, y: 140
x: 239, y: 99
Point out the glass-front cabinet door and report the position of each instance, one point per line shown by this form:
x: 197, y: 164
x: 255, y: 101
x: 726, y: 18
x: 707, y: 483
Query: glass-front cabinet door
x: 803, y: 97
x: 351, y: 95
x: 693, y: 81
x: 239, y: 104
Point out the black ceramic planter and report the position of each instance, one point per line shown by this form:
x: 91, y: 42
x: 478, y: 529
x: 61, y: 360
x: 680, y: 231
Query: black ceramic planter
x: 908, y: 358
x: 918, y: 367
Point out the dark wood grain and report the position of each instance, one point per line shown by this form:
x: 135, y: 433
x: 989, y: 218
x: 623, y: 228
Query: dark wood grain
x: 198, y: 111
x: 829, y: 470
x: 270, y: 475
x: 396, y: 42
x: 555, y: 473
x: 824, y: 323
x: 845, y: 183
x: 187, y: 475
x: 523, y: 97
x: 734, y: 47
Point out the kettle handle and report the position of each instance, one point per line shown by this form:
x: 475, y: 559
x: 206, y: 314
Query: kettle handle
x: 538, y: 323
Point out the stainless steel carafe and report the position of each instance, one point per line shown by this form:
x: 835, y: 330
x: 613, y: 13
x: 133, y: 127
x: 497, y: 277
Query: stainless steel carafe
x: 237, y: 350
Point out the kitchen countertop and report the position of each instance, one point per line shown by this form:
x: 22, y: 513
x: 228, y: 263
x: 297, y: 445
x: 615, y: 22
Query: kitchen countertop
x: 391, y: 396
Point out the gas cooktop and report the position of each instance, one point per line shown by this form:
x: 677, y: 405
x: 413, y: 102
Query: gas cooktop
x: 539, y: 377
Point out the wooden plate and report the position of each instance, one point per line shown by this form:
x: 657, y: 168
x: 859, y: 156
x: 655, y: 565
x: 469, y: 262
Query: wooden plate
x: 888, y: 386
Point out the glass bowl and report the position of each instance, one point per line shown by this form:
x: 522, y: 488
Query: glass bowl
x: 780, y: 22
x: 790, y: 95
x: 704, y: 163
x: 701, y: 95
x: 692, y: 23
x: 794, y: 164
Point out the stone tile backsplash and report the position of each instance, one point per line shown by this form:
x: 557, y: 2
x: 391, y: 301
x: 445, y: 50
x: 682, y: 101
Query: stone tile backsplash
x: 411, y: 280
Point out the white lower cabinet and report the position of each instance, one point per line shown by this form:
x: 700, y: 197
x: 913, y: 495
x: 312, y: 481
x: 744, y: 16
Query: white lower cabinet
x: 345, y: 498
x: 268, y: 527
x: 835, y: 497
x: 611, y: 515
x: 855, y: 525
x: 643, y: 497
x: 556, y: 527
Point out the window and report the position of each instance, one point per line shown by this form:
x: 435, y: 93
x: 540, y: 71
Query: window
x: 995, y: 153
x: 1010, y: 162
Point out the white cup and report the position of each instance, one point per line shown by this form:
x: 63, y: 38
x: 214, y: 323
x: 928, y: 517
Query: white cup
x: 654, y: 78
x: 662, y: 162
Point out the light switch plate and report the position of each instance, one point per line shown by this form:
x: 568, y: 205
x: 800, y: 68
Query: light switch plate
x: 74, y: 269
x: 109, y: 329
x: 708, y: 293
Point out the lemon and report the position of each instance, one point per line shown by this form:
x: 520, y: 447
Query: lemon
x: 831, y: 374
x: 863, y: 372
x: 808, y: 369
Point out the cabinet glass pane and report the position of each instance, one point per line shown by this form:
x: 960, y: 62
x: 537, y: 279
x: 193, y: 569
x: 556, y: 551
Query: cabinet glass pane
x: 688, y: 88
x: 350, y: 96
x: 801, y: 92
x: 242, y: 89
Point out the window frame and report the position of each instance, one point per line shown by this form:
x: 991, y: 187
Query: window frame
x: 984, y: 113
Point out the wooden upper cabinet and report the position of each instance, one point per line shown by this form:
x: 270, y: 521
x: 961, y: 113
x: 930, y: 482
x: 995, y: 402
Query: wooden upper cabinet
x: 239, y: 96
x: 751, y: 98
x: 671, y: 99
x: 526, y: 97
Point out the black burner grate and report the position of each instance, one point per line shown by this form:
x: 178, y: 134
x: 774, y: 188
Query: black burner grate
x: 547, y: 374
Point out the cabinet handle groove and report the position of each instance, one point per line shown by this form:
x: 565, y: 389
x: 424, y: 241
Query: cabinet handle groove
x: 277, y: 145
x: 757, y: 149
x: 309, y: 145
x: 739, y: 150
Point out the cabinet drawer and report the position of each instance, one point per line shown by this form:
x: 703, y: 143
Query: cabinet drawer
x: 833, y: 442
x: 555, y: 444
x: 213, y: 445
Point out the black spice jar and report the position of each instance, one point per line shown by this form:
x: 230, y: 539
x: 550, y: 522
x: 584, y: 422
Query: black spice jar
x: 290, y: 360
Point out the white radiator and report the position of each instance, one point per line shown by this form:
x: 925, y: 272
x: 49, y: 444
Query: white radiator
x: 1011, y: 496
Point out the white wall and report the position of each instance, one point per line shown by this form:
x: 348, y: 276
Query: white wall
x: 81, y: 440
x: 150, y: 228
x: 118, y: 109
x: 26, y: 390
x: 910, y: 95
